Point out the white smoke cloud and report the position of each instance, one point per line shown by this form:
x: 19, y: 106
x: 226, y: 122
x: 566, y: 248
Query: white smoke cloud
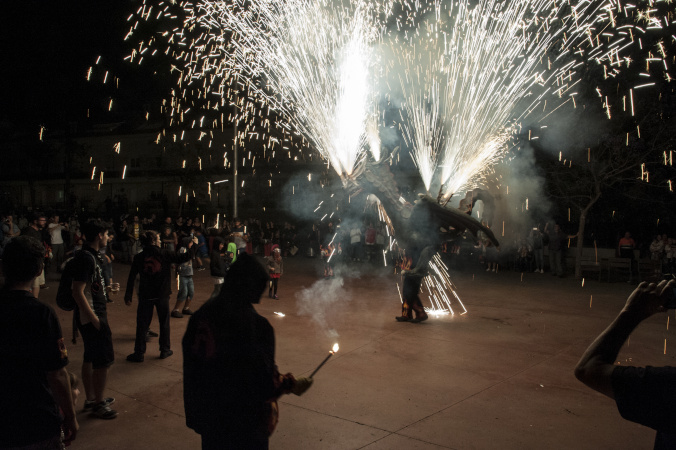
x: 321, y: 301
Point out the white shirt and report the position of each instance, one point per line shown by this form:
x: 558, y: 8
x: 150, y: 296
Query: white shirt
x: 55, y: 231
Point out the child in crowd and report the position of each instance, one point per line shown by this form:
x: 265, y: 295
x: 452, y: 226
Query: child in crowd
x: 276, y: 269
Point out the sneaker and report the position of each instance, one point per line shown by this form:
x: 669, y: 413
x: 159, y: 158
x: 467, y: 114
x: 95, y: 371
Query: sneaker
x: 275, y: 297
x: 136, y: 357
x: 488, y: 270
x: 103, y: 411
x: 199, y: 269
x: 151, y: 333
x: 90, y: 404
x: 164, y: 354
x: 187, y: 311
x: 402, y: 319
x: 176, y: 313
x: 542, y: 270
x: 536, y: 270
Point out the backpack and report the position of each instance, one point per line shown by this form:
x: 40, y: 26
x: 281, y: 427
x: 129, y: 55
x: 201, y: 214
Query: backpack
x: 64, y: 295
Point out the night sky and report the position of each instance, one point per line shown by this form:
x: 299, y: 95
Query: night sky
x: 48, y: 47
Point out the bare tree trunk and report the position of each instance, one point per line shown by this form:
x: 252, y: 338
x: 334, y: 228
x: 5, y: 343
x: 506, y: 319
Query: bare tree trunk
x: 580, y: 230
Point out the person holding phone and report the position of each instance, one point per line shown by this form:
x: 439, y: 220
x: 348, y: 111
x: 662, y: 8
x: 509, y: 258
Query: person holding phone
x: 645, y: 395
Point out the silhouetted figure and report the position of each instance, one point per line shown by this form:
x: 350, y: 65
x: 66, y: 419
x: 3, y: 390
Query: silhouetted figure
x: 645, y: 395
x: 230, y: 379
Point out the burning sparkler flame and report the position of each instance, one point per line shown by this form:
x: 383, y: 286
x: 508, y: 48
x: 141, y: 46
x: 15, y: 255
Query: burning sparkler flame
x: 335, y: 347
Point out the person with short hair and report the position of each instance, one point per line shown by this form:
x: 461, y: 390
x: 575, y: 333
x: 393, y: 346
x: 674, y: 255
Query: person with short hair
x: 37, y: 400
x: 153, y: 265
x: 91, y: 318
x: 645, y: 395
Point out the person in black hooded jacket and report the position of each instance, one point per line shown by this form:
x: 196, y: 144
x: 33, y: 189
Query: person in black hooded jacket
x: 154, y: 266
x: 230, y: 380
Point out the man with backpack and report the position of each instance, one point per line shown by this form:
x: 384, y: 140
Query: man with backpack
x: 89, y: 293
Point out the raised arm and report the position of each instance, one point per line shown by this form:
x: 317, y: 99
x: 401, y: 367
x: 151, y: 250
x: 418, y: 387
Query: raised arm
x: 595, y: 368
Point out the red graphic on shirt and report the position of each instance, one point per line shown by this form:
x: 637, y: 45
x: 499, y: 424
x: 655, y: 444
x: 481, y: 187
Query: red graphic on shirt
x: 151, y: 265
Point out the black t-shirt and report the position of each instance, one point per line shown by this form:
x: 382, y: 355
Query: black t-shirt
x: 647, y: 395
x: 32, y: 345
x: 88, y: 269
x: 154, y: 266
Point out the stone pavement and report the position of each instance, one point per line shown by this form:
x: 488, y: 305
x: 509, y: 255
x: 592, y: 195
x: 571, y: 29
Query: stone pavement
x: 498, y: 377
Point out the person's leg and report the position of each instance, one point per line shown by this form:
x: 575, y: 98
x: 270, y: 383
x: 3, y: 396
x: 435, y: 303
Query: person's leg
x: 87, y: 381
x: 190, y: 284
x: 180, y: 297
x: 36, y: 288
x: 216, y: 291
x: 274, y: 286
x: 99, y: 378
x: 144, y: 316
x: 559, y: 262
x: 407, y: 293
x: 552, y: 262
x: 162, y: 306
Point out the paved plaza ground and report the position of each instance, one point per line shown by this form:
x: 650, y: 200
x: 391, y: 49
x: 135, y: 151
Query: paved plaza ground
x: 498, y: 377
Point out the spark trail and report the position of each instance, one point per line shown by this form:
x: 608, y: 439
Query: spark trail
x: 471, y: 72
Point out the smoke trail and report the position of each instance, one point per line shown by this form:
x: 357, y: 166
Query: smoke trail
x: 321, y: 300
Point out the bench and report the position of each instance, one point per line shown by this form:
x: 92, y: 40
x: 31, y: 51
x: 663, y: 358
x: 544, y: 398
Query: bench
x: 590, y: 264
x: 619, y: 266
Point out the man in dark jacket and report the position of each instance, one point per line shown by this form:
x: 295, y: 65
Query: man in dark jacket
x: 230, y: 380
x: 154, y: 266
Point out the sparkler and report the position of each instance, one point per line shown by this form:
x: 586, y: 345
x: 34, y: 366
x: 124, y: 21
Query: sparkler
x: 334, y: 350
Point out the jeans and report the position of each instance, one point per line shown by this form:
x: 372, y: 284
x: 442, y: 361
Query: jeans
x: 539, y: 254
x: 186, y: 288
x: 556, y: 262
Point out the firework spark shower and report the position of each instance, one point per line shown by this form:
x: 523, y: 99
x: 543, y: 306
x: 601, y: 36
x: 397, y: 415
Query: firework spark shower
x: 471, y: 72
x: 311, y: 62
x: 467, y: 73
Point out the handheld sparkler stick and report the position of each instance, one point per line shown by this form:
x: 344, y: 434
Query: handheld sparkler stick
x: 335, y: 349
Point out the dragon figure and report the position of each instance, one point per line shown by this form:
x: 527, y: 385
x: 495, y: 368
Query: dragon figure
x: 425, y: 221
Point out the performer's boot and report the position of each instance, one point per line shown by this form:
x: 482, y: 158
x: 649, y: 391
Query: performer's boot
x: 406, y: 314
x: 420, y: 314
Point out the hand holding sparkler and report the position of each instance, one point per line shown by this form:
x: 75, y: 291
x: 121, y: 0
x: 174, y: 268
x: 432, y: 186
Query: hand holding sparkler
x: 301, y: 385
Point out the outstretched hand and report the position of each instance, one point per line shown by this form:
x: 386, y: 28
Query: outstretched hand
x: 649, y: 298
